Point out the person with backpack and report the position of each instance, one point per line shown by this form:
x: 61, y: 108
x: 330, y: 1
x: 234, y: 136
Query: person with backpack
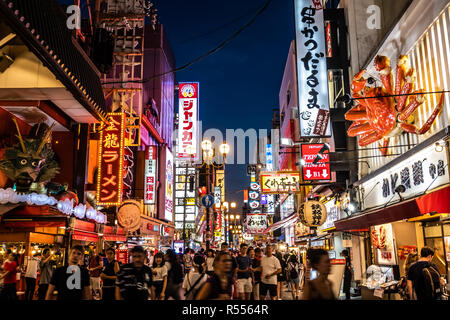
x: 187, y: 261
x: 293, y: 274
x: 424, y: 277
x: 194, y: 280
x: 174, y: 276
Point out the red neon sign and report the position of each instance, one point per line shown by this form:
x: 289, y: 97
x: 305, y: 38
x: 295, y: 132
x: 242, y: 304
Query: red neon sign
x: 316, y: 162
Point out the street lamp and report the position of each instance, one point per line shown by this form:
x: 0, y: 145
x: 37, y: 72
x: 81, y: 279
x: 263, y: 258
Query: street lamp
x: 206, y: 145
x: 224, y: 149
x: 233, y: 205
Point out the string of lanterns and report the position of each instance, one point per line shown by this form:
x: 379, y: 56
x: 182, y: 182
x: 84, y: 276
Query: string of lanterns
x: 65, y: 206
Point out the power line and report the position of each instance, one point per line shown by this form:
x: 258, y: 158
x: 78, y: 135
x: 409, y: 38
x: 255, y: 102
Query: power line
x: 220, y: 46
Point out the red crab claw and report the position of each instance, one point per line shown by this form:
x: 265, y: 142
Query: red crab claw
x: 407, y: 89
x: 359, y: 82
x: 402, y: 70
x: 415, y: 102
x: 382, y: 65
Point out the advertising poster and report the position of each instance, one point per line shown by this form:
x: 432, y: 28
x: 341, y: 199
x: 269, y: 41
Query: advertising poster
x: 383, y: 242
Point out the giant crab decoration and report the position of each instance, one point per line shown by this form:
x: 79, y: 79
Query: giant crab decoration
x: 386, y: 111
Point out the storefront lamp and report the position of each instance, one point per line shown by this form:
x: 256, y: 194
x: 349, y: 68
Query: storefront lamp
x: 439, y: 146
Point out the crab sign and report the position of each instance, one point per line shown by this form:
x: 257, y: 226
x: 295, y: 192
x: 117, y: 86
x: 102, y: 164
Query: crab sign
x: 377, y: 115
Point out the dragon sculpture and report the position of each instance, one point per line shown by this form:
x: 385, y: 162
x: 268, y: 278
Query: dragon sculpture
x: 378, y: 115
x: 31, y: 163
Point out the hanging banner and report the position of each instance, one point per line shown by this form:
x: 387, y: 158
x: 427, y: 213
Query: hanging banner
x: 188, y: 120
x: 312, y: 80
x: 316, y: 161
x: 256, y: 223
x: 169, y: 186
x: 220, y: 182
x: 217, y: 196
x: 110, y: 161
x: 277, y: 182
x: 269, y: 157
x: 150, y: 175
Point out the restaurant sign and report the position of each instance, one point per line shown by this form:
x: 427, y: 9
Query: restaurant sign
x: 188, y: 120
x: 277, y: 182
x: 150, y: 175
x: 256, y: 223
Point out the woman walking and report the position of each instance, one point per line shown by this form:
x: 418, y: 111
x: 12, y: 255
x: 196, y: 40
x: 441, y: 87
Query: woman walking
x: 194, y: 279
x: 174, y: 275
x: 293, y: 272
x: 319, y: 288
x: 210, y: 262
x: 159, y: 271
x: 218, y: 286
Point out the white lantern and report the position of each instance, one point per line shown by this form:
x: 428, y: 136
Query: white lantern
x: 91, y: 213
x: 65, y: 206
x: 79, y: 211
x: 51, y: 201
x: 312, y: 213
x: 100, y: 218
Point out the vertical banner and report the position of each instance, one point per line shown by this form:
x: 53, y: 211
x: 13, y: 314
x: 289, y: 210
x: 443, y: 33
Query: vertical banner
x: 312, y: 80
x: 110, y: 161
x: 220, y: 182
x: 150, y: 175
x: 217, y: 196
x: 188, y: 120
x: 169, y: 186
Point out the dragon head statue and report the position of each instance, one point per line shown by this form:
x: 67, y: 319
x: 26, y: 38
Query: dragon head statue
x: 31, y: 161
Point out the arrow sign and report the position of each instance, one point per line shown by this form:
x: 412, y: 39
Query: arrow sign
x: 324, y: 173
x: 316, y: 161
x: 308, y: 174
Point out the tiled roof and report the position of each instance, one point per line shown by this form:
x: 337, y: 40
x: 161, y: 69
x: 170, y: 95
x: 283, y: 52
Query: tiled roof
x: 42, y: 26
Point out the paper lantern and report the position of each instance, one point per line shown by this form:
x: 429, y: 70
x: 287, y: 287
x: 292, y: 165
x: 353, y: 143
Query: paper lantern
x: 79, y: 211
x: 91, y: 213
x: 65, y: 206
x: 312, y: 213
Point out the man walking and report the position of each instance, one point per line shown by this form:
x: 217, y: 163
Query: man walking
x: 270, y: 267
x: 244, y: 273
x: 424, y: 277
x: 95, y: 268
x: 109, y: 275
x: 31, y: 275
x: 71, y: 281
x: 134, y: 280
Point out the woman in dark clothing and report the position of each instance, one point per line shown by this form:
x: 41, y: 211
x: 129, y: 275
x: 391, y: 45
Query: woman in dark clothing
x: 174, y: 276
x: 347, y: 274
x: 319, y: 288
x: 109, y: 275
x: 281, y: 277
x: 218, y: 286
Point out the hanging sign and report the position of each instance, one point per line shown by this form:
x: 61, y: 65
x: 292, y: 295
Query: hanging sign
x: 256, y: 223
x: 217, y: 195
x: 188, y: 120
x: 316, y: 161
x: 110, y: 161
x: 169, y: 186
x: 312, y: 81
x: 220, y: 182
x: 150, y: 175
x: 277, y: 182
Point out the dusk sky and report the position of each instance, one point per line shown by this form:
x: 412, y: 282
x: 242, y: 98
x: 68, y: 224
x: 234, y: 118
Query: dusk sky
x: 239, y: 85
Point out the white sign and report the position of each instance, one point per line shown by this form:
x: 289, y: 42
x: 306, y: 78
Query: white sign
x: 332, y: 215
x: 169, y: 186
x: 217, y: 195
x: 426, y: 170
x: 313, y: 100
x: 269, y: 157
x: 150, y: 175
x: 256, y: 223
x: 188, y: 120
x: 270, y: 204
x: 383, y: 241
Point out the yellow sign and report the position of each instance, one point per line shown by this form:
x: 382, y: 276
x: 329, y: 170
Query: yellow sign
x: 220, y: 182
x: 279, y: 182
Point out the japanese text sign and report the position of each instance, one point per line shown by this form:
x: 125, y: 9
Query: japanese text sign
x: 110, y: 161
x: 256, y: 223
x: 313, y: 100
x: 150, y: 175
x: 280, y: 182
x: 316, y: 162
x: 169, y: 186
x: 188, y: 120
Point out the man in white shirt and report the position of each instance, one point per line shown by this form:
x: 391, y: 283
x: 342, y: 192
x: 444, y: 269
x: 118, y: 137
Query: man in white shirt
x: 31, y: 275
x: 270, y: 267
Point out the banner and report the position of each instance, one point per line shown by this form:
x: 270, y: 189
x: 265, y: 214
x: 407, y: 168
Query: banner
x: 150, y: 175
x: 169, y: 186
x: 188, y: 120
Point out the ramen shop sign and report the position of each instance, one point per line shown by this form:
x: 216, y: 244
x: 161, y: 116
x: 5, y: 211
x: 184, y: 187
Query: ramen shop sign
x: 110, y: 161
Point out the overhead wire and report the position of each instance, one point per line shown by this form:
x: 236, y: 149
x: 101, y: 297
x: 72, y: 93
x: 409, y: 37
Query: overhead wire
x: 212, y: 51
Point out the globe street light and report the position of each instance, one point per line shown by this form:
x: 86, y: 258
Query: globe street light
x: 233, y: 205
x: 224, y: 149
x: 206, y: 145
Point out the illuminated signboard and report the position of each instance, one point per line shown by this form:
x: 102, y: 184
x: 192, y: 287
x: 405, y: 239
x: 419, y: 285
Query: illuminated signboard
x: 316, y: 162
x: 217, y: 195
x: 220, y: 182
x: 312, y: 73
x: 188, y: 120
x: 185, y: 201
x: 256, y: 223
x: 169, y: 186
x: 269, y: 157
x: 110, y: 161
x: 150, y: 175
x: 280, y: 182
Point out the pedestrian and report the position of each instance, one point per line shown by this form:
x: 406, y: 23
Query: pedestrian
x: 347, y: 274
x: 224, y: 247
x: 109, y: 275
x: 244, y: 273
x: 9, y: 276
x: 424, y: 278
x: 293, y: 273
x: 159, y: 277
x: 195, y: 279
x: 219, y: 285
x: 151, y: 258
x: 256, y: 267
x: 174, y: 275
x: 134, y: 280
x: 31, y: 276
x: 46, y: 272
x: 410, y: 259
x: 270, y: 268
x: 95, y: 268
x: 210, y: 262
x: 319, y: 288
x: 281, y: 277
x: 187, y: 261
x: 72, y: 281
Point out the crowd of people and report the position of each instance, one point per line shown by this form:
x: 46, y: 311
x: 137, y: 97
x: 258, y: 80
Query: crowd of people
x: 250, y: 273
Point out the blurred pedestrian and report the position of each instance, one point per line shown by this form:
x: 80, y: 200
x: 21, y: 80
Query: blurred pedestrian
x: 46, y: 272
x: 109, y: 275
x: 210, y: 262
x: 187, y: 261
x: 160, y: 272
x: 347, y: 274
x: 95, y: 268
x: 174, y: 276
x: 71, y: 281
x: 256, y: 267
x: 270, y: 268
x: 31, y: 276
x: 194, y: 280
x: 218, y: 286
x: 9, y: 276
x: 319, y: 288
x: 293, y: 275
x: 134, y: 280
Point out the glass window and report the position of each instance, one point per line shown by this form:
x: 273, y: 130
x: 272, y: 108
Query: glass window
x: 447, y: 229
x: 433, y: 231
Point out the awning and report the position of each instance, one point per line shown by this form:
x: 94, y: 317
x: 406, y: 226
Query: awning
x: 84, y: 236
x: 277, y: 225
x: 437, y: 201
x: 114, y: 237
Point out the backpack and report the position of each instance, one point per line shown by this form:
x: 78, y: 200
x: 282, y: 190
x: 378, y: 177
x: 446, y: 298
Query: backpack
x: 432, y: 280
x: 293, y: 273
x: 192, y: 292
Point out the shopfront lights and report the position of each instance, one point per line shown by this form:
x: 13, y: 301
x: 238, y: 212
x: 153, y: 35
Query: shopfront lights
x: 351, y: 207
